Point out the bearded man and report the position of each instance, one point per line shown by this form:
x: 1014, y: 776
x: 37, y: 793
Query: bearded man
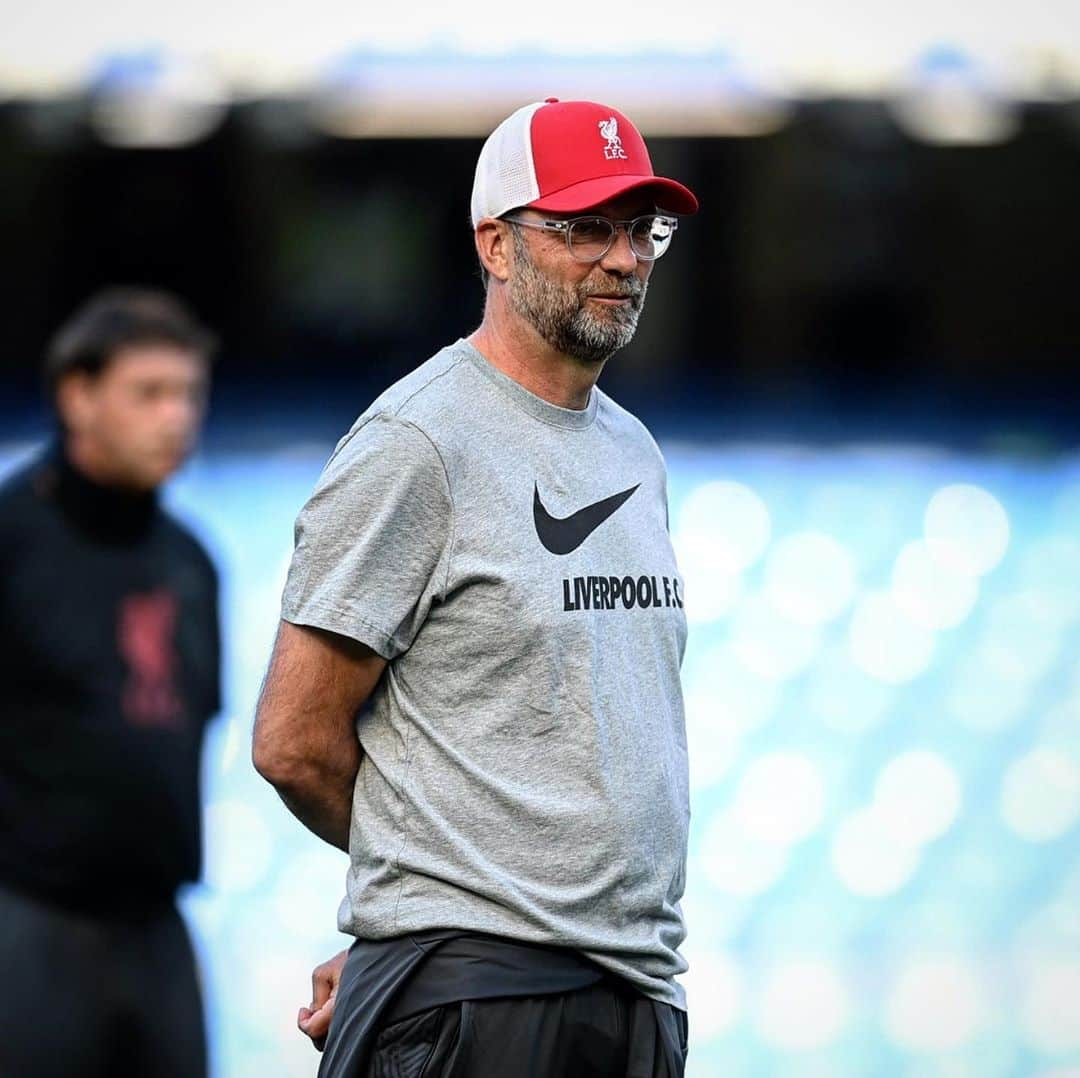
x: 485, y: 563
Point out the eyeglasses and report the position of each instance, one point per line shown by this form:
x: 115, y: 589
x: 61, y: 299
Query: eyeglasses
x: 588, y: 239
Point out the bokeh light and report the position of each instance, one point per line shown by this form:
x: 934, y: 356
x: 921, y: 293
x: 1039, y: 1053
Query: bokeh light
x: 809, y: 577
x: 1040, y: 795
x: 736, y: 863
x: 843, y: 696
x: 966, y: 528
x: 886, y: 642
x: 727, y: 521
x: 1051, y: 1007
x: 738, y: 697
x: 780, y: 798
x: 936, y: 1003
x: 929, y: 590
x: 987, y: 693
x: 1066, y: 507
x: 241, y: 855
x: 1023, y: 634
x: 712, y: 740
x: 712, y: 587
x: 1047, y: 565
x: 308, y: 892
x: 768, y: 644
x: 802, y: 1004
x: 917, y: 797
x: 868, y: 859
x: 714, y: 990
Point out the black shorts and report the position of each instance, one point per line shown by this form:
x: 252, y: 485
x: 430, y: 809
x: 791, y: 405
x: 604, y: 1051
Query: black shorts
x: 597, y: 1032
x: 97, y: 997
x: 448, y: 1004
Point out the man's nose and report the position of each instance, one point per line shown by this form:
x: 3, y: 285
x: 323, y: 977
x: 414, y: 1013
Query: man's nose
x: 620, y: 257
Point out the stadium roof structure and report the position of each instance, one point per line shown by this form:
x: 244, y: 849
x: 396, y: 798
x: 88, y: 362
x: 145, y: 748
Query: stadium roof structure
x: 428, y: 68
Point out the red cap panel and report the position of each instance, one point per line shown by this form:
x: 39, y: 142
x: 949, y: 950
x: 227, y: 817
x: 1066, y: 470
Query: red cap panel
x: 585, y: 153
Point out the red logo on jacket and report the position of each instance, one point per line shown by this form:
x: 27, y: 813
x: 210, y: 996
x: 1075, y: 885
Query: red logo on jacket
x: 146, y: 636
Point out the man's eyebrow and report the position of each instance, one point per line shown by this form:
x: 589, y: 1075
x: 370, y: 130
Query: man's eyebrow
x: 628, y: 215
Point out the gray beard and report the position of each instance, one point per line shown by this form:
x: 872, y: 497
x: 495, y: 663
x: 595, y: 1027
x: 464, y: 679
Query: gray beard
x: 560, y: 315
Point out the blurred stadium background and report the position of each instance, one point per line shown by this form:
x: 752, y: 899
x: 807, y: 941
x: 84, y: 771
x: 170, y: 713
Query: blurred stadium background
x: 860, y: 360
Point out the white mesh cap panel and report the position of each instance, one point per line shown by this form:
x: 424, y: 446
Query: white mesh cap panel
x: 505, y: 175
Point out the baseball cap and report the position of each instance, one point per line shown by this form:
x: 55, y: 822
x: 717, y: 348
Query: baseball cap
x: 567, y: 156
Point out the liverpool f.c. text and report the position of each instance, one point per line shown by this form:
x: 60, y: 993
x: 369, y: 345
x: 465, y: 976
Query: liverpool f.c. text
x: 621, y: 592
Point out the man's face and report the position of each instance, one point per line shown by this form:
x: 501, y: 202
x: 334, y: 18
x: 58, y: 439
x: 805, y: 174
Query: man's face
x: 588, y: 310
x: 138, y: 418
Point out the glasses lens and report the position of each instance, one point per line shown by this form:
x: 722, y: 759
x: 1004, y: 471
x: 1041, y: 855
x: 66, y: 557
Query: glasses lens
x: 590, y: 237
x: 651, y: 236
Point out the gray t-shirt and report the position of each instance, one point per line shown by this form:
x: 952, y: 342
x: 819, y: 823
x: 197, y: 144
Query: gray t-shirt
x: 524, y: 769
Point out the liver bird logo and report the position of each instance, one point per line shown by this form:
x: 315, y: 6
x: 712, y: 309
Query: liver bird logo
x: 609, y: 129
x: 146, y: 637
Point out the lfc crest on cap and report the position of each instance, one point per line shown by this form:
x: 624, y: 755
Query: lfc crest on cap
x: 609, y: 129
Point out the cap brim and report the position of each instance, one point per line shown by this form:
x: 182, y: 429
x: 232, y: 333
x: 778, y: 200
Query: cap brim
x: 578, y: 197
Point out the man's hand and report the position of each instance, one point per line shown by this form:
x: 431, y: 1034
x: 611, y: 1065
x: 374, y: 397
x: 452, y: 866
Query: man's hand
x: 314, y: 1020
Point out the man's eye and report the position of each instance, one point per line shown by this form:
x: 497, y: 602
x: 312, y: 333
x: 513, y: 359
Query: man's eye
x: 590, y: 231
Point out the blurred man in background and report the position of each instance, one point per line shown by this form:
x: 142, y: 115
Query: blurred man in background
x: 486, y: 556
x: 109, y: 657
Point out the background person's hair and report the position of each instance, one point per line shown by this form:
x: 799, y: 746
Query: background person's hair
x: 118, y: 318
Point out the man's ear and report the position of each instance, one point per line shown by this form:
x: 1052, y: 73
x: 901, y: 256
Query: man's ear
x: 75, y: 400
x: 494, y: 247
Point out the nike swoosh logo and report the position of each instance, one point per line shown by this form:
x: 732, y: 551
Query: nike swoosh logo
x: 562, y: 535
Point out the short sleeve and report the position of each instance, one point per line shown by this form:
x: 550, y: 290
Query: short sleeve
x: 371, y: 543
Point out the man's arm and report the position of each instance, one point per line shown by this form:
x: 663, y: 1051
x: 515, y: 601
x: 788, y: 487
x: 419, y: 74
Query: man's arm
x: 305, y: 741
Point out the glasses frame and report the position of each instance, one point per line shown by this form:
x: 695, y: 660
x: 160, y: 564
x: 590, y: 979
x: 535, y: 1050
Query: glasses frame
x: 564, y: 226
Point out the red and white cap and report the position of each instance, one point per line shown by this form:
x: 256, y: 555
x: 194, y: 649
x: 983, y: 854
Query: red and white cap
x: 567, y: 156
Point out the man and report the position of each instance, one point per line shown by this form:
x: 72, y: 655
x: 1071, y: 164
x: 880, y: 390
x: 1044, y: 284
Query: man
x: 109, y: 661
x: 485, y: 561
